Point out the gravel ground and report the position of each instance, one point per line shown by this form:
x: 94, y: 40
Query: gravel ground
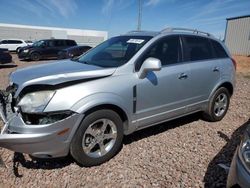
x: 181, y: 153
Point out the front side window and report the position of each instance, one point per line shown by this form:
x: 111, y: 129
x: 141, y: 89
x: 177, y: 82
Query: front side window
x: 114, y: 52
x: 197, y: 48
x: 39, y: 43
x: 167, y: 50
x: 16, y: 42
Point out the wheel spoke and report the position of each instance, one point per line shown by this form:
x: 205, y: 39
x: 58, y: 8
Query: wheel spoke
x: 91, y: 131
x: 104, y: 125
x: 102, y: 148
x: 110, y: 136
x: 88, y: 148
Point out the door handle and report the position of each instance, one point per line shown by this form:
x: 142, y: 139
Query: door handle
x: 183, y: 76
x: 216, y: 69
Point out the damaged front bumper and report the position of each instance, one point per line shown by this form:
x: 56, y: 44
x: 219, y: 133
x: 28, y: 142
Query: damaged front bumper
x: 43, y: 141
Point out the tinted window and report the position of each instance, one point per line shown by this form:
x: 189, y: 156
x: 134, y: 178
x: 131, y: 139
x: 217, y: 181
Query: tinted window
x: 167, y: 50
x: 4, y: 42
x: 59, y: 43
x: 218, y: 49
x: 14, y: 42
x: 50, y: 43
x: 70, y: 43
x: 197, y: 48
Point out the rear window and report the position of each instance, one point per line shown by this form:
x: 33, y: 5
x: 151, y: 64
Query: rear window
x: 218, y: 50
x: 4, y: 42
x: 70, y: 43
x: 197, y: 48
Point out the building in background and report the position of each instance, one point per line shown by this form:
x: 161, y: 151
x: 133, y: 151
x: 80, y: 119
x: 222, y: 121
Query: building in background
x: 237, y: 35
x: 33, y: 33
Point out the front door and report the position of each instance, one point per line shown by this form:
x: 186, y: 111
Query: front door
x: 161, y: 95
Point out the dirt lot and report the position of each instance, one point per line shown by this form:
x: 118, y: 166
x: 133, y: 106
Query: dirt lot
x: 181, y: 153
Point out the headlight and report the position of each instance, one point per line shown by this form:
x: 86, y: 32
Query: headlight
x: 245, y: 149
x: 25, y: 51
x: 71, y: 55
x: 35, y: 102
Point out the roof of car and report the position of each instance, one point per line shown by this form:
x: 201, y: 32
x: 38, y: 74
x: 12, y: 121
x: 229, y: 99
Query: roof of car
x: 58, y: 39
x: 169, y: 31
x: 142, y: 33
x: 12, y: 39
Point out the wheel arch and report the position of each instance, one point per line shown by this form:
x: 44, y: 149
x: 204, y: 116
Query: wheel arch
x: 228, y: 85
x: 104, y: 101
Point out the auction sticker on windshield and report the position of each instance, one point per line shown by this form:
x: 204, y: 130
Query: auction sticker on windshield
x: 135, y: 41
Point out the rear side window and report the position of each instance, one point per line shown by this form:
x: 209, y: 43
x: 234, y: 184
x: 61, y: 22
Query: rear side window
x: 50, y: 43
x: 14, y: 42
x: 59, y: 43
x: 197, y: 48
x: 4, y: 42
x: 218, y: 50
x: 70, y: 43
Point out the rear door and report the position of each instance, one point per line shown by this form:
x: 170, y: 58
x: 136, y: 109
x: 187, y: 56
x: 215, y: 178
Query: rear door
x: 204, y: 69
x: 59, y: 45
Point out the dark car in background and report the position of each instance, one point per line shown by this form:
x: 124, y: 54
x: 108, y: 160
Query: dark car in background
x: 44, y: 49
x: 73, y: 52
x: 5, y: 56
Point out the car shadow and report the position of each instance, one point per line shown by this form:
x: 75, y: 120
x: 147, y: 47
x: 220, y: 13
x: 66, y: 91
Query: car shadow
x: 37, y: 163
x: 160, y: 128
x: 10, y: 65
x: 215, y: 175
x: 48, y: 164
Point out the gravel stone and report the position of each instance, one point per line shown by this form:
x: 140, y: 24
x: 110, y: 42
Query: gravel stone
x: 181, y: 153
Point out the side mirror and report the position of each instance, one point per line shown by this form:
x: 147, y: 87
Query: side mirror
x: 150, y: 64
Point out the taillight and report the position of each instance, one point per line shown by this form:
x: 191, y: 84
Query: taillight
x: 234, y: 63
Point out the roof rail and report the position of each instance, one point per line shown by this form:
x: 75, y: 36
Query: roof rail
x: 136, y: 31
x: 185, y: 30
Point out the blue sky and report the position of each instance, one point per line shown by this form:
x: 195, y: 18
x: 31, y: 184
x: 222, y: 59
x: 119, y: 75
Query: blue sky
x: 120, y: 16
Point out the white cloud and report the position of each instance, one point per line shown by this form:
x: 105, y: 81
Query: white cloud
x: 108, y: 5
x: 152, y: 2
x: 50, y: 8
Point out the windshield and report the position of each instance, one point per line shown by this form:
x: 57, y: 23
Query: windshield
x: 39, y: 43
x: 115, y: 51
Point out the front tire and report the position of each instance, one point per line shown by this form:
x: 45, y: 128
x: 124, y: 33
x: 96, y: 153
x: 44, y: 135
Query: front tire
x: 218, y: 105
x: 35, y: 56
x: 98, y: 138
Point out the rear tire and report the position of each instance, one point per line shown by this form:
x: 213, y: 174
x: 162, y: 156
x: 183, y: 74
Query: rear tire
x: 98, y: 138
x: 218, y: 105
x: 35, y: 56
x: 17, y: 50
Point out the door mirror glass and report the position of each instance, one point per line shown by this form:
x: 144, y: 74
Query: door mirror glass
x: 150, y: 64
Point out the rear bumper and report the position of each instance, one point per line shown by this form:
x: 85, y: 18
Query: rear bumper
x: 238, y: 174
x: 44, y: 141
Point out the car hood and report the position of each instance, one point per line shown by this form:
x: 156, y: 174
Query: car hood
x: 27, y: 47
x: 57, y: 72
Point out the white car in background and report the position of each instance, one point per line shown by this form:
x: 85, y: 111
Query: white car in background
x: 14, y: 44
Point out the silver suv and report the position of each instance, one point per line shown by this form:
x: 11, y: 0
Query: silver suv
x: 84, y: 106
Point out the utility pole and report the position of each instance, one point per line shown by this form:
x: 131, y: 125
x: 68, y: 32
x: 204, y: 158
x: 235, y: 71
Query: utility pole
x: 139, y: 14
